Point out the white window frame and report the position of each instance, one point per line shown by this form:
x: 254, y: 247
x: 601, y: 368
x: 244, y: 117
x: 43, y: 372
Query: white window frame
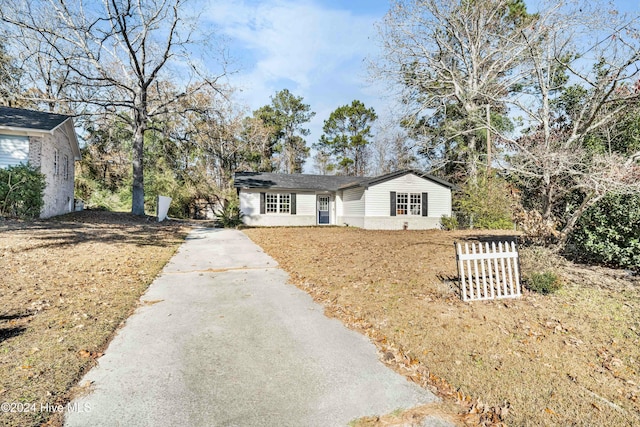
x: 409, y: 204
x: 65, y: 167
x: 402, y: 203
x: 324, y: 203
x: 285, y: 203
x: 415, y: 204
x: 271, y: 203
x: 56, y: 162
x: 276, y: 203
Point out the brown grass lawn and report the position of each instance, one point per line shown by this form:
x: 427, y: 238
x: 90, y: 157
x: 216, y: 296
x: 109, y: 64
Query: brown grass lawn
x: 571, y: 358
x: 66, y: 286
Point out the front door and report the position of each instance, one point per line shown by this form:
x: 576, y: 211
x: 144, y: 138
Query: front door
x: 323, y: 209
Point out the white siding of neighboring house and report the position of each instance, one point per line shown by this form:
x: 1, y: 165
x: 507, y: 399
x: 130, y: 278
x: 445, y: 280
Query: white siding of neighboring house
x: 353, y: 207
x: 305, y: 209
x: 13, y: 150
x: 377, y: 213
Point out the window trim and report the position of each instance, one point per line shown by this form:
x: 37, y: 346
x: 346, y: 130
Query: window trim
x: 277, y: 203
x: 407, y: 203
x: 65, y: 167
x: 56, y: 162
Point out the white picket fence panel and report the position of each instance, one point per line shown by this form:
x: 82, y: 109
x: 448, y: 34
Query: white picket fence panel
x: 488, y: 272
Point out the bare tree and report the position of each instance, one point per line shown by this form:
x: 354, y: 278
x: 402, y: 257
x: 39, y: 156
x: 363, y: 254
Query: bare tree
x: 114, y: 55
x: 392, y: 149
x: 231, y: 141
x: 584, y: 71
x: 451, y: 59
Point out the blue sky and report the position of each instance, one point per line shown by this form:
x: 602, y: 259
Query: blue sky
x: 315, y: 48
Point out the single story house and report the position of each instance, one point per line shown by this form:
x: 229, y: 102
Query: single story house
x: 47, y: 142
x: 404, y: 199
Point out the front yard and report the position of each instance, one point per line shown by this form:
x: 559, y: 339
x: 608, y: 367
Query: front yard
x: 566, y: 359
x: 67, y: 284
x: 571, y: 358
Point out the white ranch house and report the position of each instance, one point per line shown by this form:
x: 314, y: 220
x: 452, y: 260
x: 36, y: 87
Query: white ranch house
x: 47, y: 142
x: 405, y: 199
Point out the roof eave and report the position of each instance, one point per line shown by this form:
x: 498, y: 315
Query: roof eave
x: 400, y: 173
x: 73, y: 137
x: 354, y: 185
x: 26, y: 131
x: 311, y: 190
x: 70, y: 131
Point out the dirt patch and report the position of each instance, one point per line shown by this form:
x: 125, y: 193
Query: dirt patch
x: 67, y: 284
x: 571, y: 358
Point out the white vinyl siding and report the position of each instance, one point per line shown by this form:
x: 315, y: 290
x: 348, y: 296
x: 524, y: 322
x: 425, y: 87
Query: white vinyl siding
x: 250, y: 207
x: 353, y: 200
x: 358, y: 207
x: 13, y: 150
x: 439, y: 196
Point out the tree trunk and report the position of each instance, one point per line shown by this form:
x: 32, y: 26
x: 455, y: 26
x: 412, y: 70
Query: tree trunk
x: 588, y: 201
x: 137, y: 193
x: 472, y: 157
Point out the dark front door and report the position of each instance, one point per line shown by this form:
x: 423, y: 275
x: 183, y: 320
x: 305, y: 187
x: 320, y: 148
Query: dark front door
x: 323, y: 209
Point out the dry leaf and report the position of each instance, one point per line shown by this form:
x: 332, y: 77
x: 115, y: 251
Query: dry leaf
x: 89, y: 354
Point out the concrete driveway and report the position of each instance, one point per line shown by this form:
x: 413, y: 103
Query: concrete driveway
x: 221, y: 339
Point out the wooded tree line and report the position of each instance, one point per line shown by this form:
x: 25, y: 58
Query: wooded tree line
x: 540, y: 106
x: 155, y: 121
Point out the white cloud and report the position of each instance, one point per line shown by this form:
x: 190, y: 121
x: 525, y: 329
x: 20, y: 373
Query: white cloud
x: 295, y: 43
x: 307, y: 46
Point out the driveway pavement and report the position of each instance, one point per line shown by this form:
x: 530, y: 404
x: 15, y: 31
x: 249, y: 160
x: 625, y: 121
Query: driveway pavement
x: 221, y: 339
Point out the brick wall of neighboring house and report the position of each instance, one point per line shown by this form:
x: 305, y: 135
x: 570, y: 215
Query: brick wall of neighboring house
x: 53, y: 154
x: 35, y: 151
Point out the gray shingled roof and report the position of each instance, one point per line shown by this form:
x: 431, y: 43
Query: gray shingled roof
x: 378, y: 179
x: 298, y: 181
x: 29, y: 119
x: 267, y: 180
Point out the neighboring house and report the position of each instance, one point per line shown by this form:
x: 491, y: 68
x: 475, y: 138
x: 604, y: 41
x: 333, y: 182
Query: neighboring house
x: 47, y: 142
x: 404, y: 199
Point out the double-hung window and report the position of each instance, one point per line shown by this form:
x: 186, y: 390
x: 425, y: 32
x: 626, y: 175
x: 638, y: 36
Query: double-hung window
x: 65, y: 167
x: 285, y: 203
x: 56, y: 162
x: 415, y: 203
x: 272, y: 203
x: 278, y: 203
x: 402, y: 201
x: 408, y: 204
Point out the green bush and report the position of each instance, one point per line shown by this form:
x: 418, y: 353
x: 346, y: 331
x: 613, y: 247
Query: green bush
x: 104, y: 199
x: 609, y: 232
x: 230, y: 216
x: 543, y: 283
x: 449, y: 222
x: 21, y: 191
x: 486, y: 204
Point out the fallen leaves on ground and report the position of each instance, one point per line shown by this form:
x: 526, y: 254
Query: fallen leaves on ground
x: 67, y: 284
x: 570, y: 358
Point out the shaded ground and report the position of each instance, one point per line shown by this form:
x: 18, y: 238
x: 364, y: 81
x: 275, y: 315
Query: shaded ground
x: 67, y: 284
x: 571, y: 358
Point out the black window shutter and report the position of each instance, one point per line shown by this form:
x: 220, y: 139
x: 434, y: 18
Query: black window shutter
x: 425, y: 204
x: 262, y: 203
x: 393, y: 204
x: 293, y: 203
